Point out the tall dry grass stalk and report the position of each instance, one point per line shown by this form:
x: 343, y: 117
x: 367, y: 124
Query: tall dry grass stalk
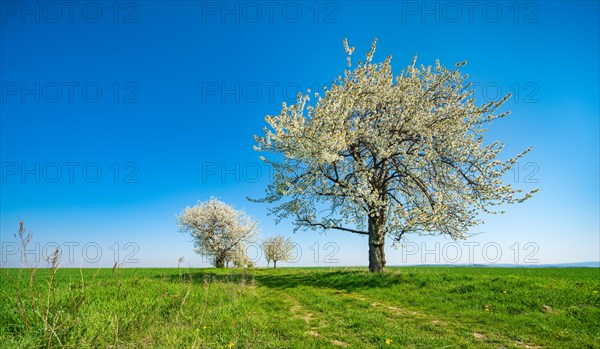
x: 39, y: 309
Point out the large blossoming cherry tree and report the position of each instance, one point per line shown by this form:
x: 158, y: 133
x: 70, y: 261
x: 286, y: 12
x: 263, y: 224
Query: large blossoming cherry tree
x: 384, y: 156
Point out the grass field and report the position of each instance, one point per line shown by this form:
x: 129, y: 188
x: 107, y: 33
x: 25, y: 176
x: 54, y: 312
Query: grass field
x: 407, y: 307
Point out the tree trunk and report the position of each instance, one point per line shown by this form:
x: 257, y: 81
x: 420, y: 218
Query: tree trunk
x: 377, y: 243
x: 274, y: 264
x: 220, y: 263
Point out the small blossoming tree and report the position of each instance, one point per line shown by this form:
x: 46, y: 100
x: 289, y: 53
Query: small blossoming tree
x: 220, y: 232
x: 240, y: 256
x: 383, y: 156
x: 277, y: 248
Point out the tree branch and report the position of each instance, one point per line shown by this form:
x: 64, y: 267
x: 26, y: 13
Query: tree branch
x: 306, y: 221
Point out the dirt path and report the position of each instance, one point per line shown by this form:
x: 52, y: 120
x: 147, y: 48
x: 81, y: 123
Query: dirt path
x: 315, y: 322
x: 299, y: 312
x: 480, y: 337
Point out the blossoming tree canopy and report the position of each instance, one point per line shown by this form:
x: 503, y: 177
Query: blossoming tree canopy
x: 383, y: 155
x: 220, y: 232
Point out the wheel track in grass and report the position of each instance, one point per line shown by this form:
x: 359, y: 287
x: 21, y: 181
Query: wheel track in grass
x: 476, y: 338
x: 480, y: 337
x: 298, y: 311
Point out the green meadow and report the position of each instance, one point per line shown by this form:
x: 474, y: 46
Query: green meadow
x: 406, y: 307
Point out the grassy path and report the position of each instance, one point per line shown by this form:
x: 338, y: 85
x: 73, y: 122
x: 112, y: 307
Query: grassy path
x: 336, y: 318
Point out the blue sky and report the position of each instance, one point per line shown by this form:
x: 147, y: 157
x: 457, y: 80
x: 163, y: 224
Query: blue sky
x: 115, y: 116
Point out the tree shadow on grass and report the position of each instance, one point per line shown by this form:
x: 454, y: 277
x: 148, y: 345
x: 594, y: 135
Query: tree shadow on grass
x: 346, y: 280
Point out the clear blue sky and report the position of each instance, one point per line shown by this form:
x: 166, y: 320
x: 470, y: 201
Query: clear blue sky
x: 163, y: 98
